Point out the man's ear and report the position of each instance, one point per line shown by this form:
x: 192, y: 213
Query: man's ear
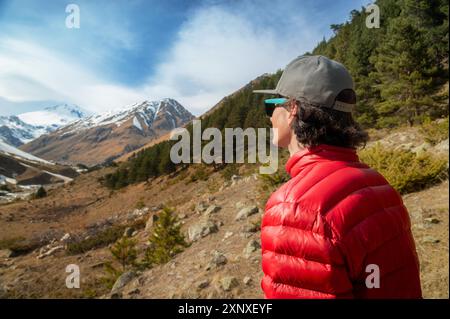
x: 293, y: 111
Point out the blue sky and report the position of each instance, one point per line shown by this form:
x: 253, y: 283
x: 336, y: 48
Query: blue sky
x: 127, y: 51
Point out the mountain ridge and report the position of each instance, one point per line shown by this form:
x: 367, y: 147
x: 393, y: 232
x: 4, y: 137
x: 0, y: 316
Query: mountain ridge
x: 103, y: 137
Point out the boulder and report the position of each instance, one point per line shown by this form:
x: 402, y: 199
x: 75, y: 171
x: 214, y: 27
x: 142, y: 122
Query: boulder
x: 122, y: 281
x: 246, y: 212
x: 228, y: 282
x: 202, y: 229
x: 251, y: 247
x: 202, y: 284
x: 217, y: 260
x: 212, y: 209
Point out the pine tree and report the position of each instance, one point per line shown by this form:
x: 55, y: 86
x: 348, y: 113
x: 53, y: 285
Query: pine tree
x: 166, y: 239
x: 124, y: 251
x: 402, y: 71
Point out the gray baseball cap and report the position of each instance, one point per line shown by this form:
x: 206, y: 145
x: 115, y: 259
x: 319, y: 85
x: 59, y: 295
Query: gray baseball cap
x: 316, y: 79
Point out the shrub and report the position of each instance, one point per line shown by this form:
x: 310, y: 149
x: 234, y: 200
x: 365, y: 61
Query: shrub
x: 166, y: 240
x: 40, y: 193
x: 404, y: 170
x: 101, y: 239
x: 200, y: 174
x: 124, y: 251
x: 434, y: 132
x: 230, y: 170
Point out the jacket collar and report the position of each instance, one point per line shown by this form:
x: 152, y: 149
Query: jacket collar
x: 323, y: 152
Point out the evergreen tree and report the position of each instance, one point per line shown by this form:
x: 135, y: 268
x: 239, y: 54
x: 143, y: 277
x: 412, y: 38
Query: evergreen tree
x: 166, y: 239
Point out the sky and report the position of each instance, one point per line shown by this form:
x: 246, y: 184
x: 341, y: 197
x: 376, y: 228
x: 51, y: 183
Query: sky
x: 127, y: 51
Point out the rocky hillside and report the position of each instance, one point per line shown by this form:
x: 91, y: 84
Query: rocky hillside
x: 104, y: 137
x: 219, y: 216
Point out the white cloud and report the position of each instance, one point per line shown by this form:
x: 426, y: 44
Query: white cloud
x: 31, y: 72
x: 219, y: 50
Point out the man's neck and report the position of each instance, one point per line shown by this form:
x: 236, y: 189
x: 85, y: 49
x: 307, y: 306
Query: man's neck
x: 294, y: 146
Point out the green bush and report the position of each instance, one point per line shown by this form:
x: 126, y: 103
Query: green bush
x: 200, y: 174
x: 102, y: 238
x: 404, y: 170
x: 166, y: 240
x: 230, y: 170
x: 40, y: 193
x: 124, y: 251
x: 434, y: 132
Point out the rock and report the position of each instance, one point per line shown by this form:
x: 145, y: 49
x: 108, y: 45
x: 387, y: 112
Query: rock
x: 239, y: 205
x: 430, y: 240
x: 202, y: 229
x: 116, y: 295
x: 442, y: 147
x: 246, y: 212
x: 247, y: 280
x: 201, y: 207
x: 202, y: 284
x: 251, y: 247
x: 229, y: 282
x: 6, y: 253
x: 212, y: 209
x: 432, y: 220
x: 250, y: 228
x: 218, y: 260
x: 50, y: 252
x: 124, y: 279
x: 151, y: 220
x: 228, y: 234
x: 235, y: 178
x: 134, y: 233
x: 128, y: 232
x: 135, y: 291
x: 181, y: 216
x: 66, y: 238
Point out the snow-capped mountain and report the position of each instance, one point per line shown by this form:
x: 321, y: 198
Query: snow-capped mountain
x: 142, y: 114
x: 103, y: 137
x: 23, y: 128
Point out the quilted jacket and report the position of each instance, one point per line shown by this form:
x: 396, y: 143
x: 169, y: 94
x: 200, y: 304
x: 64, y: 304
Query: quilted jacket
x: 337, y: 229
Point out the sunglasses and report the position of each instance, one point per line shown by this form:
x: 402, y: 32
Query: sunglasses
x: 271, y: 104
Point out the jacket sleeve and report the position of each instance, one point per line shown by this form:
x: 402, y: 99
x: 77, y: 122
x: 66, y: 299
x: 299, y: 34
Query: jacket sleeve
x: 301, y: 261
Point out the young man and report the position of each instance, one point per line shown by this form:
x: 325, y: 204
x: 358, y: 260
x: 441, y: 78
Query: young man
x: 336, y: 229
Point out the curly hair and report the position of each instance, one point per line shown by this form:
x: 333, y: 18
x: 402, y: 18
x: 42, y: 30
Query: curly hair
x: 316, y: 125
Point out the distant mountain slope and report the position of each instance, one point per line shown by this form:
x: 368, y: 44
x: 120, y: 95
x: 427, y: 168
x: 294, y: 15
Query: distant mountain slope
x: 19, y: 167
x: 23, y: 128
x: 104, y: 137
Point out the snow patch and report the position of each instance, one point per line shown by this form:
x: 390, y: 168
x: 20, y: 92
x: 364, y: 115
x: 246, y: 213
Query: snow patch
x: 136, y: 123
x: 11, y: 150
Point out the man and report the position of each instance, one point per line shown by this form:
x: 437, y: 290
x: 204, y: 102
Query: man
x: 336, y: 229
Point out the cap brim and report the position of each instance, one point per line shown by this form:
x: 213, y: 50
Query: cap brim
x: 274, y: 91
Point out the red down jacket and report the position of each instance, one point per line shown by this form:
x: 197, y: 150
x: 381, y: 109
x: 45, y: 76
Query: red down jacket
x: 332, y: 219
